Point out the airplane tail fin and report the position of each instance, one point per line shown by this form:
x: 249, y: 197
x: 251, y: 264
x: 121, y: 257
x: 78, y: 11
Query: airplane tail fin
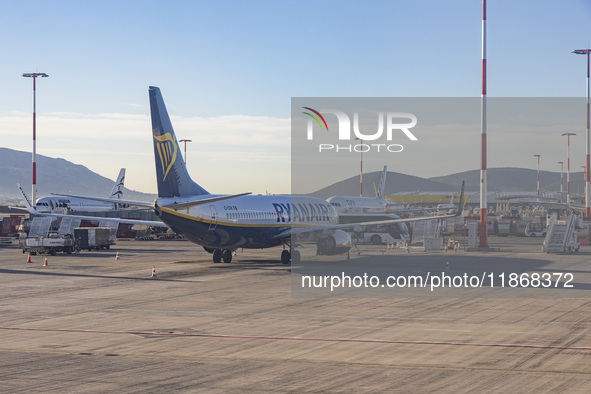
x: 117, y: 192
x: 171, y: 172
x: 382, y: 186
x: 28, y: 204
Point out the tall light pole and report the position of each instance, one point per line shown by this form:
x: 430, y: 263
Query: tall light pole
x: 568, y: 165
x: 483, y: 174
x: 538, y: 156
x: 561, y: 172
x: 587, y: 143
x: 360, y: 168
x: 185, y: 141
x: 34, y: 183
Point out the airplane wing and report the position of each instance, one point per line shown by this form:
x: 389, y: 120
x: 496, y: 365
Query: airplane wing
x: 142, y: 204
x: 181, y: 205
x: 356, y: 226
x: 202, y: 201
x: 288, y: 232
x: 150, y: 223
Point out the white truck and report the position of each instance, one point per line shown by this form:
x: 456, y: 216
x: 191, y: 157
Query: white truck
x: 51, y: 244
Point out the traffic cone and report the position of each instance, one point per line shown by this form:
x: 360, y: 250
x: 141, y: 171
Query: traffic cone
x: 45, y: 262
x: 154, y: 271
x: 29, y: 258
x: 117, y: 256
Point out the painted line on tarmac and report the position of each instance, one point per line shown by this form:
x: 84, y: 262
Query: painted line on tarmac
x: 280, y: 338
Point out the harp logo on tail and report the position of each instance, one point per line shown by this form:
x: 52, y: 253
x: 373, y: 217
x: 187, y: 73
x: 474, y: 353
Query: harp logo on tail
x: 167, y: 151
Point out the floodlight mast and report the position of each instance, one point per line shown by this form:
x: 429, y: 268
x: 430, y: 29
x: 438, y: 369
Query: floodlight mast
x: 185, y: 141
x: 587, y: 142
x: 567, y: 165
x: 538, y: 188
x: 34, y: 183
x: 483, y: 168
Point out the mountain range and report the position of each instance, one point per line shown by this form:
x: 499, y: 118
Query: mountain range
x: 504, y: 179
x: 54, y: 176
x: 58, y: 176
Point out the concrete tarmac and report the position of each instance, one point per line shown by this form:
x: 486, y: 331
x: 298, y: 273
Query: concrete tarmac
x: 90, y: 323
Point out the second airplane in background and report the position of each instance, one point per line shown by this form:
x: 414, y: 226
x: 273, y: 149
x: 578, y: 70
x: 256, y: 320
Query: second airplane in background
x: 73, y: 204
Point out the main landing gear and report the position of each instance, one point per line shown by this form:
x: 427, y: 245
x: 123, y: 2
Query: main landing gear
x: 225, y: 255
x: 222, y: 254
x: 287, y: 257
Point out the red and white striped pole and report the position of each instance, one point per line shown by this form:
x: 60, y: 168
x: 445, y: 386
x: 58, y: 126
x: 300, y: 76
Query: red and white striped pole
x: 34, y: 76
x: 483, y: 177
x: 568, y: 165
x: 561, y: 172
x: 538, y: 188
x: 587, y: 142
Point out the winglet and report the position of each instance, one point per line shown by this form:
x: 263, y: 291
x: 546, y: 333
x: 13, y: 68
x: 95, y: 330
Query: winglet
x: 461, y: 206
x: 26, y: 199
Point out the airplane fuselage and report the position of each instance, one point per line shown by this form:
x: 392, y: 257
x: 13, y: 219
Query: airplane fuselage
x: 344, y: 204
x: 71, y: 204
x: 244, y: 222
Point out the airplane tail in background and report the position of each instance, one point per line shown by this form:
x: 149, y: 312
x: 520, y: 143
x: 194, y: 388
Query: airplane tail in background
x: 28, y: 204
x: 117, y: 192
x: 171, y: 172
x: 382, y: 186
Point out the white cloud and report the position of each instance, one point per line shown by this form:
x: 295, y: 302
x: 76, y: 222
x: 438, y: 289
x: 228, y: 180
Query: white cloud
x: 228, y: 154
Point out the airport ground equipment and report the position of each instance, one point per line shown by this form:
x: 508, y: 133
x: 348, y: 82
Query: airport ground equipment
x: 425, y: 229
x: 96, y: 238
x: 50, y: 245
x: 562, y: 235
x: 533, y: 229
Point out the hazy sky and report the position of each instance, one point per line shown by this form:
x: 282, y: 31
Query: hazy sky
x: 228, y: 70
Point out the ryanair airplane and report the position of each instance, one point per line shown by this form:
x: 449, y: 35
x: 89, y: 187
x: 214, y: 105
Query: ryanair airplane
x: 224, y: 223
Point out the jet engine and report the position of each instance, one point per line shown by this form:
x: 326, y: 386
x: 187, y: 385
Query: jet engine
x: 337, y: 242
